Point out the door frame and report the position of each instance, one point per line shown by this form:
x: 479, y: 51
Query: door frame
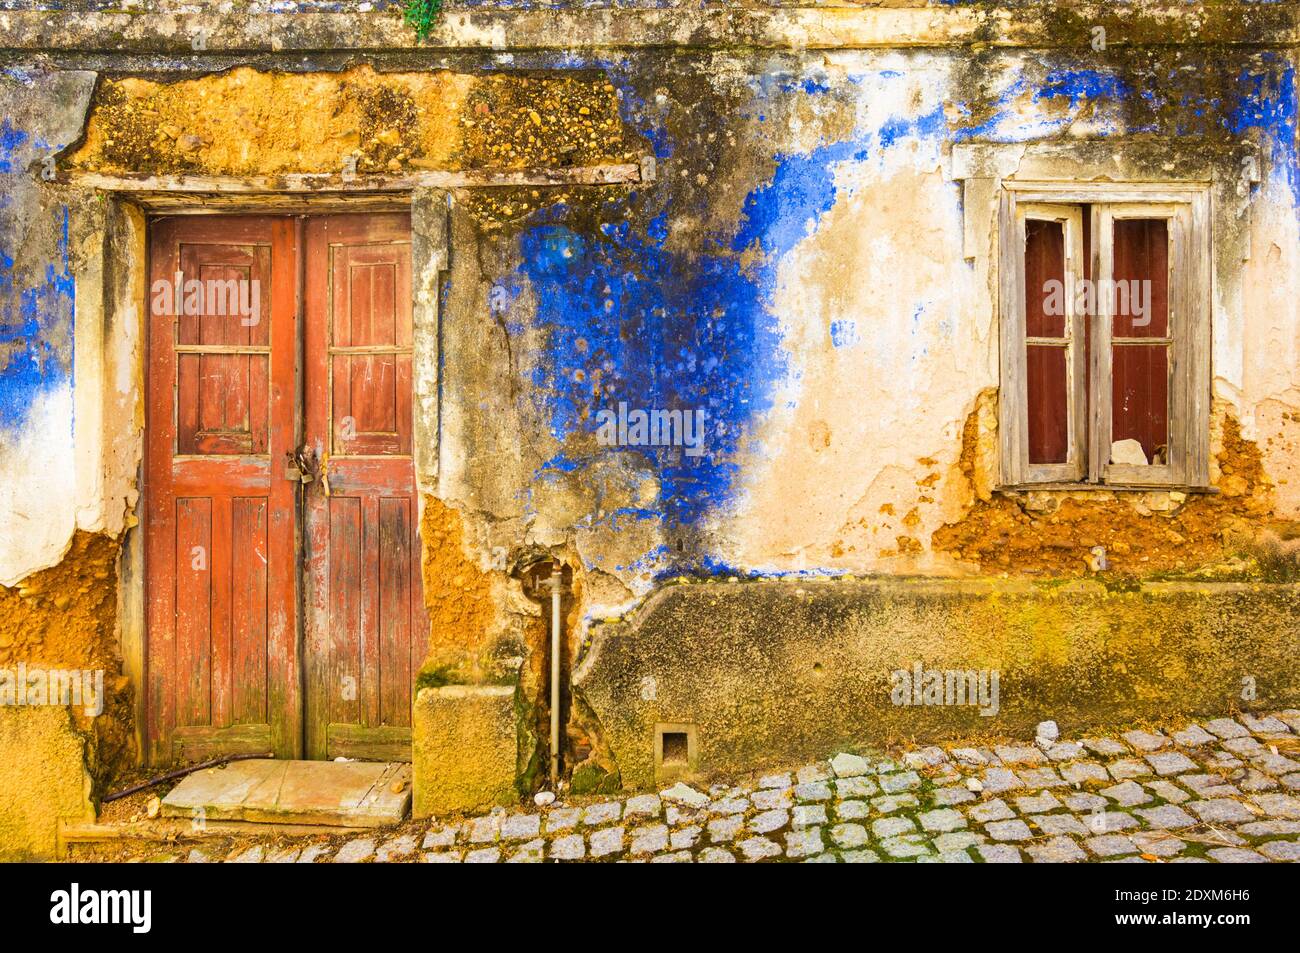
x: 110, y: 266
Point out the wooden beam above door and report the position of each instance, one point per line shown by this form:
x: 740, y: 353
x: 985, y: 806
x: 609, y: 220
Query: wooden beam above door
x: 626, y: 173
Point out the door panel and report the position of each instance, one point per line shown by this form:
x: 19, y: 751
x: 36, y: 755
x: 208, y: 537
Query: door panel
x: 365, y: 619
x: 220, y: 544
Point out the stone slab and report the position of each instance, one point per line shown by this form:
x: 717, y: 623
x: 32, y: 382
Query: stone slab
x: 464, y: 745
x: 333, y: 793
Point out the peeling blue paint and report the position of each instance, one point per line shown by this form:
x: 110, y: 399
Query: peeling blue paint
x: 623, y: 314
x: 1078, y: 85
x: 11, y: 140
x: 32, y: 363
x: 1268, y: 104
x: 652, y: 327
x: 844, y: 333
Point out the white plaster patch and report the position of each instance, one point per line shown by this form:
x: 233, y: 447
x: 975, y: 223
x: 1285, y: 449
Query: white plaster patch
x: 886, y: 352
x: 37, y: 487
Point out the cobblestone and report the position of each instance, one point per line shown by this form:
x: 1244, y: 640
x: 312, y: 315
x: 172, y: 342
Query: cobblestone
x: 806, y: 815
x: 892, y: 826
x: 812, y: 791
x: 716, y: 855
x: 1013, y: 830
x: 804, y: 843
x: 1193, y: 736
x: 650, y: 840
x: 1110, y: 845
x: 1037, y: 804
x: 889, y: 803
x: 850, y: 835
x: 1058, y: 850
x: 644, y: 805
x: 521, y: 827
x: 568, y: 847
x: 1061, y: 824
x: 759, y: 848
x: 942, y: 820
x: 1127, y: 794
x: 852, y: 810
x: 607, y: 841
x: 770, y: 821
x: 1222, y: 791
x: 1166, y: 817
x: 1084, y: 772
x: 1221, y: 811
x: 995, y: 810
x: 685, y: 838
x: 999, y: 854
x: 354, y: 851
x: 856, y: 787
x: 772, y: 798
x: 1170, y: 762
x: 1145, y: 740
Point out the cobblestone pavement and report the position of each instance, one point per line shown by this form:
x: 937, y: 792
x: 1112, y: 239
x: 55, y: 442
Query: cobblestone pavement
x: 1225, y: 790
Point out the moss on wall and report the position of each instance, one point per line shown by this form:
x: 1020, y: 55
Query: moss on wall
x: 43, y: 780
x: 248, y: 122
x: 463, y: 738
x: 1080, y: 653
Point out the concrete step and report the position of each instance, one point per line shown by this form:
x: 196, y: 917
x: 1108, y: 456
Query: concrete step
x: 333, y: 793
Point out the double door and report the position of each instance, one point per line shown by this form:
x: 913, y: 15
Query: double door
x: 282, y: 556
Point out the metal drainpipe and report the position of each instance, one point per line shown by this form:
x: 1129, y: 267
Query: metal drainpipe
x: 556, y: 584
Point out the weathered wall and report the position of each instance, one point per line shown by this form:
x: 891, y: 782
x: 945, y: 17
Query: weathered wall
x: 799, y: 273
x: 43, y: 781
x: 797, y: 270
x: 40, y: 112
x: 1075, y: 652
x: 65, y: 618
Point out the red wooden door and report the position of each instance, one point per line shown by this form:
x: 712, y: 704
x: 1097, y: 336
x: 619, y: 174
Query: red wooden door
x: 220, y: 547
x: 316, y: 379
x: 365, y: 620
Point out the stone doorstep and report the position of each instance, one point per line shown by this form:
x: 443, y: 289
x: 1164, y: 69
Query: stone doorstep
x: 329, y: 793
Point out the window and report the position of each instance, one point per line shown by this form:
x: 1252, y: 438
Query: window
x: 1105, y: 300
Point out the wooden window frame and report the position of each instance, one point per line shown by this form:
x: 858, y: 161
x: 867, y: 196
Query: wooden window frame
x: 1190, y: 294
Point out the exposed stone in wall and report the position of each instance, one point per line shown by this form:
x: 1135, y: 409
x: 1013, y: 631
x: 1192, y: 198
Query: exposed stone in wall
x: 64, y: 615
x: 248, y: 122
x: 460, y: 596
x: 1051, y: 533
x: 65, y: 618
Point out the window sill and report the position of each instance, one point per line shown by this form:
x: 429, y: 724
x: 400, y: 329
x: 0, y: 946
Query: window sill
x: 1108, y: 487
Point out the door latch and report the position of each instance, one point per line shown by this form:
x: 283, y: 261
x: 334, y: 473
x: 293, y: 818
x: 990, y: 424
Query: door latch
x: 301, y: 466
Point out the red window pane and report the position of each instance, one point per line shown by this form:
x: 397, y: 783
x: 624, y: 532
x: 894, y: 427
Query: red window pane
x: 1140, y: 397
x: 1045, y: 290
x: 1048, y: 404
x: 1140, y: 296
